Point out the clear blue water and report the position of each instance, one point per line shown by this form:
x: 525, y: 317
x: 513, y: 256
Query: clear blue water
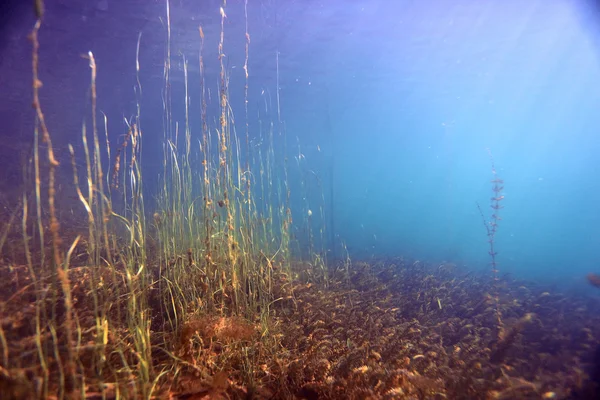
x: 392, y: 104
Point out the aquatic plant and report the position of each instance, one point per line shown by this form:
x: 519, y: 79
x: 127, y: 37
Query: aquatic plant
x: 133, y: 300
x: 491, y: 227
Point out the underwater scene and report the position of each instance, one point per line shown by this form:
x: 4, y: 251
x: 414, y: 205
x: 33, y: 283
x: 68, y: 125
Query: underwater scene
x: 299, y: 199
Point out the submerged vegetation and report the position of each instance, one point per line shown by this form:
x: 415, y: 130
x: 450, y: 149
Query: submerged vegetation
x: 135, y: 305
x: 209, y: 291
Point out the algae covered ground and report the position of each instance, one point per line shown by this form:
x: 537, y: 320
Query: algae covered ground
x: 390, y: 329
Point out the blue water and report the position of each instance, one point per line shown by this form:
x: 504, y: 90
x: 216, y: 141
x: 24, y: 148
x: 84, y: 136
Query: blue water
x: 416, y: 93
x: 391, y: 104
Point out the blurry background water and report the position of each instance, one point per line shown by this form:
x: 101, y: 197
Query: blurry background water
x: 389, y: 107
